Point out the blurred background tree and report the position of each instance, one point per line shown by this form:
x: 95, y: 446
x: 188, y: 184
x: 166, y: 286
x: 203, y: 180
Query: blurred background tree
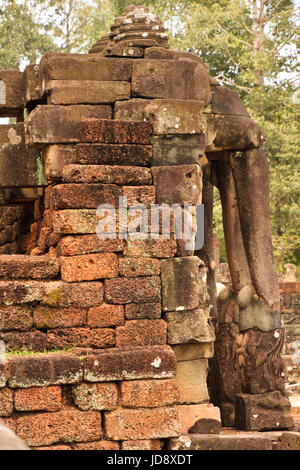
x: 249, y: 45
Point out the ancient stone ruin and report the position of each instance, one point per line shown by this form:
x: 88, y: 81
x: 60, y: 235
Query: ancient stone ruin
x: 131, y: 348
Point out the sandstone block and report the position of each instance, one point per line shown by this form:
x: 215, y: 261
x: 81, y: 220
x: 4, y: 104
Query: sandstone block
x: 121, y: 175
x: 55, y: 158
x: 181, y: 283
x: 177, y: 149
x: 11, y: 93
x: 114, y: 154
x: 32, y: 90
x: 115, y: 132
x: 133, y: 267
x: 85, y: 244
x: 89, y: 267
x: 89, y: 397
x: 19, y: 166
x: 226, y: 101
x: 141, y: 333
x: 152, y: 362
x: 189, y: 414
x: 86, y: 92
x: 6, y: 402
x: 131, y: 110
x: 38, y: 399
x: 157, y: 423
x: 288, y: 441
x: 191, y: 378
x: 263, y: 412
x: 180, y: 184
x: 63, y: 426
x: 189, y: 327
x: 168, y: 79
x: 122, y: 50
x: 151, y: 311
x: 80, y: 337
x: 28, y: 267
x: 189, y: 352
x: 83, y: 67
x: 136, y: 290
x: 52, y: 124
x: 149, y: 393
x: 43, y: 370
x: 105, y: 315
x: 151, y: 248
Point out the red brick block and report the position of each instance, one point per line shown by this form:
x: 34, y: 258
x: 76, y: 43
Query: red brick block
x: 144, y: 444
x: 106, y: 315
x: 137, y: 290
x: 89, y: 267
x: 151, y: 248
x: 47, y: 317
x: 114, y: 154
x: 97, y: 338
x: 157, y: 423
x: 42, y: 370
x: 141, y: 333
x: 6, y: 402
x: 149, y: 393
x: 114, y: 131
x: 143, y: 311
x: 95, y: 396
x: 29, y: 340
x: 121, y: 175
x: 15, y: 318
x: 84, y: 244
x: 64, y: 426
x: 139, y: 195
x: 28, y: 267
x: 153, y: 362
x: 83, y: 196
x: 98, y: 445
x: 38, y: 399
x: 129, y: 267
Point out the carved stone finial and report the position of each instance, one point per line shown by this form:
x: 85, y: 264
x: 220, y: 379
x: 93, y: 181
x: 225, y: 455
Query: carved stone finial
x: 136, y: 27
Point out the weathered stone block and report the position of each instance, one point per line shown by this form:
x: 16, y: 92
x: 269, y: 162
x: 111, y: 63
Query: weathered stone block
x: 80, y: 295
x: 157, y: 423
x: 189, y: 414
x: 86, y: 92
x: 89, y: 267
x: 226, y: 101
x: 28, y: 267
x: 175, y: 117
x: 46, y: 317
x: 143, y: 444
x: 97, y: 338
x: 106, y: 315
x: 84, y: 244
x: 55, y: 158
x: 115, y: 132
x: 139, y: 195
x: 32, y: 90
x: 38, y: 399
x: 206, y: 426
x: 114, y: 154
x: 133, y: 267
x: 189, y: 352
x: 149, y: 393
x: 131, y: 110
x: 60, y: 124
x: 11, y: 93
x: 83, y: 67
x: 168, y: 79
x: 191, y: 378
x: 177, y: 149
x: 151, y: 311
x: 97, y: 445
x: 122, y: 175
x: 222, y: 442
x: 89, y: 397
x: 75, y: 221
x: 180, y: 184
x: 263, y: 412
x: 288, y: 441
x: 141, y: 333
x: 181, y: 283
x: 151, y: 248
x: 29, y: 340
x: 19, y: 166
x: 189, y: 327
x: 43, y: 370
x: 15, y: 318
x: 6, y: 402
x: 136, y: 290
x: 63, y: 426
x: 153, y: 362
